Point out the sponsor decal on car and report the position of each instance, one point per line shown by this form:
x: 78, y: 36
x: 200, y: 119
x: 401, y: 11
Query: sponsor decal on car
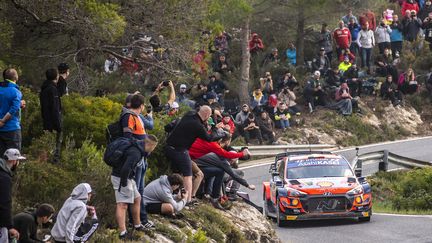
x: 314, y: 162
x: 325, y: 184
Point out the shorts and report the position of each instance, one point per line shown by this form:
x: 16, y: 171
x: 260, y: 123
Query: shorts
x: 180, y: 160
x: 154, y: 208
x: 126, y: 194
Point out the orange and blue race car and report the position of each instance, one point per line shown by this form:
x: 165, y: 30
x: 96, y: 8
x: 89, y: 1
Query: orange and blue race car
x: 312, y: 185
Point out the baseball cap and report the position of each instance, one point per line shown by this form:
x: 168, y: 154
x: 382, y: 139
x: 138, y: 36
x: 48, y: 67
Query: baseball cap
x: 322, y: 49
x: 317, y: 73
x: 183, y: 86
x: 13, y: 154
x: 175, y: 105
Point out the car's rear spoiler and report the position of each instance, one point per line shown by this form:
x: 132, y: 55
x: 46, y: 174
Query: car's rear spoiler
x: 286, y: 154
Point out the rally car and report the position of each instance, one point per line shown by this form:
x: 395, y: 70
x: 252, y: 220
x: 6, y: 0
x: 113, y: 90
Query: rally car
x: 315, y: 185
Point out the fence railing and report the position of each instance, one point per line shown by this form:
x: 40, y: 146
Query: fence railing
x: 272, y: 150
x: 384, y: 158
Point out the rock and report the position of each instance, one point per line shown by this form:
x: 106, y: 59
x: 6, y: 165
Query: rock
x: 403, y: 117
x: 371, y: 119
x: 316, y: 137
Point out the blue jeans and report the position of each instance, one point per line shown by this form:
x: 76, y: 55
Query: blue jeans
x: 140, y: 171
x: 283, y: 124
x: 213, y: 177
x: 366, y: 57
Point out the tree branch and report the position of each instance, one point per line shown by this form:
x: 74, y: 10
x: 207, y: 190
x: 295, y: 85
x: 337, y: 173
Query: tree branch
x: 34, y: 16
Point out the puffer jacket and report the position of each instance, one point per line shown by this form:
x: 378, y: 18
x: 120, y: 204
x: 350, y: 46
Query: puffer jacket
x: 383, y: 34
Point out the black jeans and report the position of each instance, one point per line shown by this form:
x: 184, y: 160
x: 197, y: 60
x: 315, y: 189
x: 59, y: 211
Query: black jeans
x: 396, y: 46
x: 9, y: 140
x: 213, y: 177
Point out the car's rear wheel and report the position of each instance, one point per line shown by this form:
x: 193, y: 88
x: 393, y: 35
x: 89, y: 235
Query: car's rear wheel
x: 366, y: 219
x: 280, y: 222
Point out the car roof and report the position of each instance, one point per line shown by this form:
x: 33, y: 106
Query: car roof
x: 314, y: 156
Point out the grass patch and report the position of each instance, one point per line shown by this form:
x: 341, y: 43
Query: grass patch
x: 169, y: 232
x: 406, y: 191
x: 382, y: 207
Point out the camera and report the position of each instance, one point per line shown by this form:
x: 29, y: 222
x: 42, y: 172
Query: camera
x: 183, y: 191
x: 149, y: 108
x: 243, y: 148
x: 165, y: 83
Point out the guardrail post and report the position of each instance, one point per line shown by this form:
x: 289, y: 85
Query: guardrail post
x: 383, y: 165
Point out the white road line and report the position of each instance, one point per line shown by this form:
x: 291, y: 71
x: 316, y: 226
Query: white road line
x: 385, y: 143
x: 403, y: 215
x: 351, y: 148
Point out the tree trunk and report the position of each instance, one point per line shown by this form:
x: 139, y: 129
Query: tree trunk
x: 300, y: 33
x: 245, y: 64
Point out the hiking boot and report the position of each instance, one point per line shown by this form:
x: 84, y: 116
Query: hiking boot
x: 216, y: 204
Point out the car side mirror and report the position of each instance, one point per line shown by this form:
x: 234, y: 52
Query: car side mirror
x: 278, y: 181
x: 361, y: 180
x: 358, y: 172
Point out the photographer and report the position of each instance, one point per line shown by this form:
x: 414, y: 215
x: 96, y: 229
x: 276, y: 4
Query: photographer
x: 383, y: 32
x: 267, y: 84
x: 287, y: 81
x: 314, y: 93
x: 217, y: 86
x: 155, y: 99
x: 160, y: 198
x: 412, y: 26
x: 427, y: 26
x: 28, y: 222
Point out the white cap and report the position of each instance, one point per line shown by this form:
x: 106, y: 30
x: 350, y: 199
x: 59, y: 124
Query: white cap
x: 183, y: 86
x: 13, y: 154
x: 317, y: 73
x: 175, y: 105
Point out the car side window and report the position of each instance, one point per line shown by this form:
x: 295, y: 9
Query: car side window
x: 281, y: 168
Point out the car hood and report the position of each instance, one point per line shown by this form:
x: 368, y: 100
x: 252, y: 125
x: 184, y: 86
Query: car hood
x: 334, y: 185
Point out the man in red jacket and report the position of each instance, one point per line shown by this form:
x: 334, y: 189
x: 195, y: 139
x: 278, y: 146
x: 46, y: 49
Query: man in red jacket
x: 342, y: 38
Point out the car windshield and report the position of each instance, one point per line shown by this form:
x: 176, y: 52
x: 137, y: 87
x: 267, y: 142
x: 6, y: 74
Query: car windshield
x: 318, y: 167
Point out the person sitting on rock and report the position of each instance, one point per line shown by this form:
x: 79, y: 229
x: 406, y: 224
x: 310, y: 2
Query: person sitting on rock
x: 251, y: 129
x: 407, y: 83
x: 267, y: 127
x: 212, y: 159
x: 389, y: 90
x: 344, y: 101
x: 282, y: 117
x: 165, y: 195
x: 314, y: 92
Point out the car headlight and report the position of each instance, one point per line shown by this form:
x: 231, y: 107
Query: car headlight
x: 295, y: 193
x: 356, y: 191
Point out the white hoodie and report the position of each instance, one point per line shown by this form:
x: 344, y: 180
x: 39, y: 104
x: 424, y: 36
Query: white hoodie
x: 72, y: 214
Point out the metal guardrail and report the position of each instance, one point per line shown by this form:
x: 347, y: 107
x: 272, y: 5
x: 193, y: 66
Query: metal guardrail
x: 273, y: 150
x: 384, y: 158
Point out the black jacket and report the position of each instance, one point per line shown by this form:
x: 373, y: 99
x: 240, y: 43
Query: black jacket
x: 133, y: 156
x: 5, y: 195
x: 26, y: 224
x: 213, y: 160
x: 189, y: 128
x: 50, y: 106
x: 61, y: 86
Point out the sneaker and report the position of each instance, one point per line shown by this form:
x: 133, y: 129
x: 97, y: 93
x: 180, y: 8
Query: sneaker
x: 123, y: 236
x: 141, y: 227
x: 192, y: 202
x: 149, y: 224
x: 216, y: 204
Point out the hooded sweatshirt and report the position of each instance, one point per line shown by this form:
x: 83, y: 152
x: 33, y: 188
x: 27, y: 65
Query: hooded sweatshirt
x: 160, y: 191
x: 5, y: 195
x: 72, y: 214
x: 10, y: 102
x: 26, y: 224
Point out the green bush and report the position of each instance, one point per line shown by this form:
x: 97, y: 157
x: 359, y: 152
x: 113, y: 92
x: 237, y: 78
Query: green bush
x: 404, y: 190
x: 87, y: 117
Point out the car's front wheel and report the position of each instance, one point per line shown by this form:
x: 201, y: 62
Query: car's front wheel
x: 280, y: 222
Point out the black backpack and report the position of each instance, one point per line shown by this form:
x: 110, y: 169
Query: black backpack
x: 169, y: 128
x: 115, y: 129
x: 114, y: 155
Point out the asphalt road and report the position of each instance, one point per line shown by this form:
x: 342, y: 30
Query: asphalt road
x: 381, y: 228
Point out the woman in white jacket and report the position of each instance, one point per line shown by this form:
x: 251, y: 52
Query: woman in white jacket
x: 366, y: 41
x: 383, y: 36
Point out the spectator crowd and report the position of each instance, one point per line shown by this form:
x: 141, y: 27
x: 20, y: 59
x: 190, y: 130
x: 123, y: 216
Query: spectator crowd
x: 198, y: 146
